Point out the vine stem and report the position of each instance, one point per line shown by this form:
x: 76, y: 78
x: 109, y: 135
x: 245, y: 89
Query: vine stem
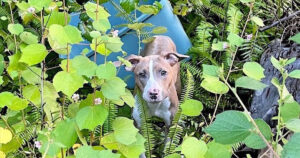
x: 251, y: 119
x: 231, y: 65
x: 12, y: 21
x: 42, y: 72
x: 280, y: 103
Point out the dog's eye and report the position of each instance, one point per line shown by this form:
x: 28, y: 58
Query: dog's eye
x: 163, y: 72
x: 142, y: 74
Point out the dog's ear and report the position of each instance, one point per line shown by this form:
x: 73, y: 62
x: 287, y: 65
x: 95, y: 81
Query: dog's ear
x: 173, y: 58
x: 134, y: 60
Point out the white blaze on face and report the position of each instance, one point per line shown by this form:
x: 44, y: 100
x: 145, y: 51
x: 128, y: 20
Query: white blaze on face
x: 151, y: 83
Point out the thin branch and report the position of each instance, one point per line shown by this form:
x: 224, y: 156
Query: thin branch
x: 251, y: 119
x: 279, y: 21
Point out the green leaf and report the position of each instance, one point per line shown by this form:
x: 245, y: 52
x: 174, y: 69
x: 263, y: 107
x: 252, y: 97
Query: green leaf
x: 230, y: 127
x: 84, y: 66
x: 293, y: 125
x: 74, y: 35
x: 275, y: 63
x: 133, y: 150
x: 258, y: 21
x: 15, y: 29
x: 91, y: 9
x: 32, y: 75
x: 254, y: 70
x: 191, y: 107
x: 15, y: 65
x: 235, y: 39
x: 148, y: 40
x: 65, y: 133
x: 128, y: 98
x: 210, y: 70
x: 56, y: 18
x: 218, y: 46
x: 216, y: 150
x: 38, y: 4
x: 18, y: 104
x: 11, y: 146
x: 65, y: 34
x: 148, y: 9
x: 254, y: 140
x: 292, y: 148
x: 49, y: 144
x: 89, y: 152
x: 128, y: 5
x: 249, y: 83
x: 159, y: 30
x: 91, y: 116
x: 29, y: 38
x: 124, y: 130
x: 296, y: 38
x: 6, y: 99
x: 32, y: 93
x: 33, y: 54
x: 101, y: 48
x: 193, y: 148
x: 290, y: 111
x: 95, y: 34
x: 59, y: 48
x: 106, y: 71
x: 295, y: 74
x: 101, y: 25
x: 68, y: 83
x: 139, y: 26
x: 73, y: 109
x: 113, y: 88
x: 213, y: 85
x: 290, y: 61
x: 114, y: 44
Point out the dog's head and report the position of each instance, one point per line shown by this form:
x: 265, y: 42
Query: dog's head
x: 154, y: 74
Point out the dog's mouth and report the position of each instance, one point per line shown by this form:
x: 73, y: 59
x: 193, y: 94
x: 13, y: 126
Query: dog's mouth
x: 154, y: 100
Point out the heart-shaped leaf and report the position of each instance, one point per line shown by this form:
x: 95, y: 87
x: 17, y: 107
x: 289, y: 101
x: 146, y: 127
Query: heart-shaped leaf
x: 68, y: 83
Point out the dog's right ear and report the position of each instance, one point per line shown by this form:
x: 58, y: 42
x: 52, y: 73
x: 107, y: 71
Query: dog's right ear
x: 133, y: 59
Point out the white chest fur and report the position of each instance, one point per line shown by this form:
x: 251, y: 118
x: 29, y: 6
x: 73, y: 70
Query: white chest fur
x: 160, y: 110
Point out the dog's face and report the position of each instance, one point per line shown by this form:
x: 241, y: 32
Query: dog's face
x: 154, y: 75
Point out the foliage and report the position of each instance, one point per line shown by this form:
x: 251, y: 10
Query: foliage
x: 75, y: 108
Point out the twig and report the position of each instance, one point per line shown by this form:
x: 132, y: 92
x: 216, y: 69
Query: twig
x: 279, y: 21
x: 231, y: 65
x: 251, y: 119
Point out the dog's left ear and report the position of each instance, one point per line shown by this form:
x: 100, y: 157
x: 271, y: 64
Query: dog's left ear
x: 173, y: 58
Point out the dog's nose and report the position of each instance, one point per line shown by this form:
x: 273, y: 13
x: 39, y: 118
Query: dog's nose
x: 153, y: 93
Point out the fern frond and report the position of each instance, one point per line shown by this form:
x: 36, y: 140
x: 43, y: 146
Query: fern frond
x: 203, y: 37
x: 112, y: 114
x: 188, y: 90
x: 234, y: 16
x: 146, y: 125
x: 176, y: 131
x: 251, y: 51
x: 236, y: 146
x: 195, y: 71
x: 28, y: 134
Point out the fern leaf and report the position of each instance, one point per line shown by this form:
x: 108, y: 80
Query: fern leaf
x: 176, y: 131
x: 112, y: 113
x: 146, y: 126
x: 235, y: 16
